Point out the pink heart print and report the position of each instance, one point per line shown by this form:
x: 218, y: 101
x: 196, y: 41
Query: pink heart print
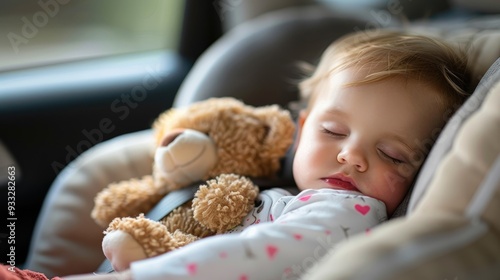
x: 192, y: 267
x: 271, y: 251
x: 362, y: 209
x: 297, y: 236
x: 305, y: 198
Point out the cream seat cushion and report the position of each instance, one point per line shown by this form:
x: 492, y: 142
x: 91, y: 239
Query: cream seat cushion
x: 67, y: 240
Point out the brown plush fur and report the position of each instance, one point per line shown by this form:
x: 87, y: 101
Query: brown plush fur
x: 249, y: 142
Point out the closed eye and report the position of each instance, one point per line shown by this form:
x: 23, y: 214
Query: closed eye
x: 393, y: 159
x: 331, y: 133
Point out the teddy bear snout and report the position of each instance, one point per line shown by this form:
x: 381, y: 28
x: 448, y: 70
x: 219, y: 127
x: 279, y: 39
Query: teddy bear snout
x: 186, y: 156
x: 170, y: 137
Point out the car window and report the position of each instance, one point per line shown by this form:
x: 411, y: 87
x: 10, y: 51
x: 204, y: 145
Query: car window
x: 52, y: 31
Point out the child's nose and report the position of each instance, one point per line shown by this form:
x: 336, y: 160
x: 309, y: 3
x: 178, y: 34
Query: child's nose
x: 353, y: 156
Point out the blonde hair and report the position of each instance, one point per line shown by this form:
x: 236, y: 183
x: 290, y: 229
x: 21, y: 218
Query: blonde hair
x: 387, y: 54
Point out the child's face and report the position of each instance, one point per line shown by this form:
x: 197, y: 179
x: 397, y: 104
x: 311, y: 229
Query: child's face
x: 366, y: 138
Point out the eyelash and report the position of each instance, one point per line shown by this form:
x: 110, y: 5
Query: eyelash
x: 394, y: 160
x: 329, y: 132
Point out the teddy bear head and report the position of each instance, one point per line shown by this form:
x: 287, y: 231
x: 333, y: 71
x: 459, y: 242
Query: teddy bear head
x: 220, y: 135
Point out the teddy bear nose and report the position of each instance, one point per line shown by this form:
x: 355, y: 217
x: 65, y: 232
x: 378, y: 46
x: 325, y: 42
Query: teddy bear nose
x: 186, y: 156
x: 169, y: 138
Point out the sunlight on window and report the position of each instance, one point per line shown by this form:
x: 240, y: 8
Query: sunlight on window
x: 53, y: 31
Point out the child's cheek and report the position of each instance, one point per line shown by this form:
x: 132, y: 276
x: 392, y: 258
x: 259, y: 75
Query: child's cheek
x: 395, y: 181
x: 406, y: 171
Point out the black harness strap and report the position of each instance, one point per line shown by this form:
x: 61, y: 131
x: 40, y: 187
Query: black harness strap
x: 172, y: 200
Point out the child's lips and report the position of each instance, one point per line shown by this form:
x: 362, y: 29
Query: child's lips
x: 342, y: 183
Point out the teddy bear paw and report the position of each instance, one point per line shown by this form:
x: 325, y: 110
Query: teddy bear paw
x: 224, y: 202
x: 121, y: 249
x: 151, y: 236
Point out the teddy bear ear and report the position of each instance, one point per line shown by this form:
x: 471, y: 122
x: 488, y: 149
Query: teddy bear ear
x: 280, y: 133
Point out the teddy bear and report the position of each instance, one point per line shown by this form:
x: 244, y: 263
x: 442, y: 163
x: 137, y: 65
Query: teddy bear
x: 221, y: 142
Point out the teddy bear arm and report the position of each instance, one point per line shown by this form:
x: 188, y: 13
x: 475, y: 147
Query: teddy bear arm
x: 223, y: 202
x: 125, y: 199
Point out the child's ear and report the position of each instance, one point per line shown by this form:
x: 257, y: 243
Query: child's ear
x: 300, y: 123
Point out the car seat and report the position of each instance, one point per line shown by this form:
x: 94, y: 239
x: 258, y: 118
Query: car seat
x: 255, y: 62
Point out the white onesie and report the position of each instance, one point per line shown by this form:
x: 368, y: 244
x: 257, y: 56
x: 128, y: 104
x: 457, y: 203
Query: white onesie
x: 288, y: 234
